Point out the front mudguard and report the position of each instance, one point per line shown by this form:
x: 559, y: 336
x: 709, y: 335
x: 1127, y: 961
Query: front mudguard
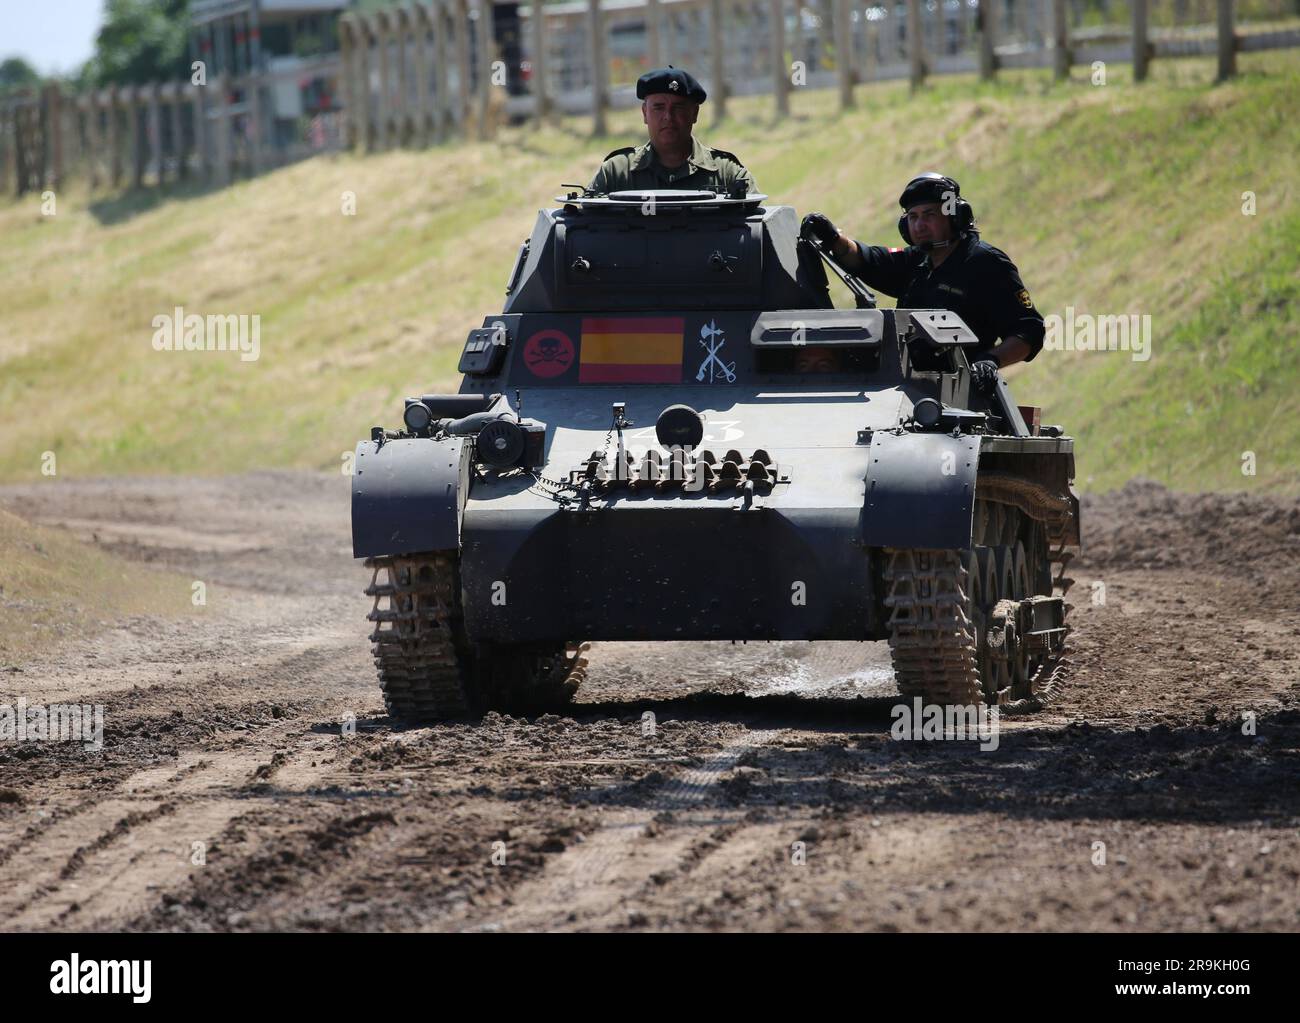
x: 409, y: 495
x: 920, y: 491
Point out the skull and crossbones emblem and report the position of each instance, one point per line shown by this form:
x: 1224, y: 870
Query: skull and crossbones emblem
x: 548, y: 353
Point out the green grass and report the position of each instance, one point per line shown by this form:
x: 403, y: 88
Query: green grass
x: 1114, y: 200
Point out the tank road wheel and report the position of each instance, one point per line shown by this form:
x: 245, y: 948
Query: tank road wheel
x: 931, y: 626
x: 994, y: 677
x: 428, y: 669
x: 1019, y: 588
x: 1018, y: 519
x: 1039, y: 566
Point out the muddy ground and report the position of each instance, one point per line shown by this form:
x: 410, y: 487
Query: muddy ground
x: 770, y: 795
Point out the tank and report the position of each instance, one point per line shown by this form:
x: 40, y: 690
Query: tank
x: 669, y: 433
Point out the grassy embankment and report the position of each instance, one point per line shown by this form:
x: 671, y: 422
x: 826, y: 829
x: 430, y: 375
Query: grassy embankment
x: 1116, y: 199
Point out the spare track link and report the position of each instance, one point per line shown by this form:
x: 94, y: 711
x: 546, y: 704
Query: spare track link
x: 931, y: 636
x: 419, y: 650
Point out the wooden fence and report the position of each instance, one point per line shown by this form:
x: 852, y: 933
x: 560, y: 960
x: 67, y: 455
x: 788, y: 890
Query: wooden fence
x: 583, y: 56
x: 422, y: 73
x: 150, y: 135
x: 417, y: 73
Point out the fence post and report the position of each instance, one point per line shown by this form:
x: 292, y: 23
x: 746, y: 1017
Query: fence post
x: 136, y: 136
x: 403, y: 122
x: 91, y: 151
x: 717, y: 62
x: 418, y: 29
x: 7, y: 135
x: 155, y: 128
x: 780, y: 69
x: 441, y: 77
x: 844, y: 57
x: 915, y: 45
x: 1227, y: 40
x: 221, y: 131
x: 653, y: 46
x: 988, y: 24
x: 1061, y: 41
x: 6, y: 150
x: 22, y: 140
x: 259, y: 153
x: 462, y: 65
x: 114, y: 139
x: 537, y: 76
x: 202, y: 136
x: 178, y: 140
x: 75, y: 154
x: 487, y: 54
x: 345, y: 80
x: 253, y: 118
x: 429, y: 87
x: 367, y: 128
x: 1141, y: 52
x: 596, y: 25
x: 54, y: 134
x: 394, y: 60
x: 384, y: 107
x: 399, y: 27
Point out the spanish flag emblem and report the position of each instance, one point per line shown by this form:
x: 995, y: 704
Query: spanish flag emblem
x: 631, y: 350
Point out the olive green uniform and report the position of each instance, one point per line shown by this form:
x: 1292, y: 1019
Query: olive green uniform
x: 707, y: 169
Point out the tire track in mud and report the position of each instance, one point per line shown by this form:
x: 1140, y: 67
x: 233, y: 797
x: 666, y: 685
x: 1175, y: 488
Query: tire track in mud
x: 592, y: 879
x: 103, y: 861
x: 224, y: 729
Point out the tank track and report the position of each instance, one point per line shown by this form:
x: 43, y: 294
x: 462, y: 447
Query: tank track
x: 1056, y: 513
x: 419, y: 647
x: 428, y: 670
x: 934, y: 638
x: 931, y: 635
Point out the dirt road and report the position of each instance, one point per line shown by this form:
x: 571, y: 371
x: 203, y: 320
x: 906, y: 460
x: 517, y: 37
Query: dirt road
x: 233, y: 791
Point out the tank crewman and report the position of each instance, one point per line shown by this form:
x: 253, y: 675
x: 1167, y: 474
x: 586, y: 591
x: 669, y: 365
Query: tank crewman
x: 672, y: 157
x: 946, y: 266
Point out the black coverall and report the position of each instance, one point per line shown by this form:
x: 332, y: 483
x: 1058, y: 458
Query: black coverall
x: 977, y: 282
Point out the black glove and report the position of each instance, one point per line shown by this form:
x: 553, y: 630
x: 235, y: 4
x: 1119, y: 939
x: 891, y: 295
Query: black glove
x: 818, y: 226
x: 984, y: 374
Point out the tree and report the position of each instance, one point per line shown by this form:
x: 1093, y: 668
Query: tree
x: 141, y: 41
x: 15, y: 74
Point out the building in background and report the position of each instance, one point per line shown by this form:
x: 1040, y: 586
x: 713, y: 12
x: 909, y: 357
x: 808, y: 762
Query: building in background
x: 289, y: 49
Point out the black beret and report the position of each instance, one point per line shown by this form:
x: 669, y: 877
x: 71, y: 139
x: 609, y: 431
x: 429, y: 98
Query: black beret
x: 671, y: 80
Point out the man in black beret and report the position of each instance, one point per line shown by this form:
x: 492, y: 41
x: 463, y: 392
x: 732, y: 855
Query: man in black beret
x: 672, y: 157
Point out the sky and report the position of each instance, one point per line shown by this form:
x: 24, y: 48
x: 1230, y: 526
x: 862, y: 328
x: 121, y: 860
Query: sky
x: 54, y: 36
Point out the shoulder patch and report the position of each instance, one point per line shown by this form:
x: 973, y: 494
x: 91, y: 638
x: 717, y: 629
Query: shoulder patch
x: 621, y: 152
x: 1025, y: 300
